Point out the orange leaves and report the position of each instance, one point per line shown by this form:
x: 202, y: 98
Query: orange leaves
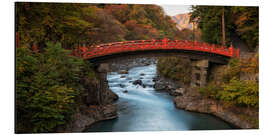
x: 250, y: 65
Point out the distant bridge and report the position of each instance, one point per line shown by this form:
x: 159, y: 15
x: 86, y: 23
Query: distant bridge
x: 108, y: 49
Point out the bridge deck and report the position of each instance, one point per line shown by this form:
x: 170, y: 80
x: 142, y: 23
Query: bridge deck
x: 91, y: 52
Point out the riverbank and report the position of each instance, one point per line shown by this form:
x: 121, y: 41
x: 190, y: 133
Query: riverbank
x: 193, y: 101
x: 190, y: 99
x: 85, y: 116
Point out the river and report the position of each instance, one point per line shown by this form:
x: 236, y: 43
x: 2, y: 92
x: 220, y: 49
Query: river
x: 144, y: 109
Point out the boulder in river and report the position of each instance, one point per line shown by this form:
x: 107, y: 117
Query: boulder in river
x: 125, y: 91
x: 142, y: 74
x: 123, y: 72
x: 155, y: 79
x: 137, y: 82
x: 159, y: 86
x: 122, y: 76
x: 143, y: 85
x: 122, y: 85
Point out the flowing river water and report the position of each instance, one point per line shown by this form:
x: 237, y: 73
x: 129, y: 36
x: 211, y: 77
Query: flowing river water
x: 144, y: 109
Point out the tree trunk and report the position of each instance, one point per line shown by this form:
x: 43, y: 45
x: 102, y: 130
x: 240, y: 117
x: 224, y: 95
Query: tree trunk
x: 223, y: 28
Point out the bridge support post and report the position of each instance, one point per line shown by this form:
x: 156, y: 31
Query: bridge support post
x: 102, y: 70
x: 199, y: 73
x: 105, y: 95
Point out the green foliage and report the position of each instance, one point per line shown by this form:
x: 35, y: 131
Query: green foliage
x: 175, y: 68
x: 240, y: 20
x: 211, y: 91
x: 241, y: 92
x: 233, y: 70
x: 246, y: 21
x: 209, y: 21
x: 47, y: 85
x: 234, y: 90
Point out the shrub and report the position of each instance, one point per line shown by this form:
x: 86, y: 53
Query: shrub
x: 211, y: 91
x: 233, y: 70
x: 241, y: 92
x: 175, y: 68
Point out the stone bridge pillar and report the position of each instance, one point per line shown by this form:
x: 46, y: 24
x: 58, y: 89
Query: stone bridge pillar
x: 199, y: 73
x: 105, y: 95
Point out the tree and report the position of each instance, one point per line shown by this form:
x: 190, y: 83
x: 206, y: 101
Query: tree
x: 240, y: 20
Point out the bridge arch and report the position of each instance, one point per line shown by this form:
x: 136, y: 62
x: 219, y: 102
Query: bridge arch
x: 165, y: 45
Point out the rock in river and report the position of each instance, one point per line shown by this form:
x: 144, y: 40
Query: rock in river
x: 137, y: 82
x: 123, y: 72
x: 122, y: 85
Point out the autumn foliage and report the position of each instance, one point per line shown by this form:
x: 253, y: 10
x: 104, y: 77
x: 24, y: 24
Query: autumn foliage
x: 90, y: 24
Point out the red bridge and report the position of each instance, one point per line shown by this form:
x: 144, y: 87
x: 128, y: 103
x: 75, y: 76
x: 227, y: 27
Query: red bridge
x: 89, y: 52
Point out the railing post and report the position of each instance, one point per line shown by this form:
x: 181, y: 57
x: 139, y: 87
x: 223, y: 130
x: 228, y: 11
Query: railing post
x: 165, y: 42
x: 237, y: 53
x: 17, y: 40
x: 35, y: 48
x: 231, y: 51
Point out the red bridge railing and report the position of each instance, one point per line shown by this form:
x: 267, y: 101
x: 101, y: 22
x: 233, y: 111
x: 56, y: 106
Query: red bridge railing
x: 88, y: 52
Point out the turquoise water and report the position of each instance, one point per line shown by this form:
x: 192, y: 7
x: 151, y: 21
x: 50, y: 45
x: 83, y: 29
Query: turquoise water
x: 144, y: 109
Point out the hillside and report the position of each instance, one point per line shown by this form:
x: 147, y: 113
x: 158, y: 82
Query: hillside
x: 182, y: 21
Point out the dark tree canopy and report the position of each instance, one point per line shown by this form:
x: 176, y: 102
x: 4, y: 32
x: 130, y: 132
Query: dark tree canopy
x: 240, y: 20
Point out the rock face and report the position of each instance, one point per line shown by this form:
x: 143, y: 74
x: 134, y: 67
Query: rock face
x: 163, y: 84
x: 178, y: 92
x: 86, y: 116
x: 98, y: 103
x: 182, y: 21
x: 194, y: 102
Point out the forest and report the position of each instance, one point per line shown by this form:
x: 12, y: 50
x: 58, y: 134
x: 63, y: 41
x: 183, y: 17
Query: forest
x: 90, y: 24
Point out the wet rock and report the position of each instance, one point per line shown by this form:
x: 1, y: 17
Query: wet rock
x: 122, y: 76
x: 137, y: 82
x: 143, y: 85
x: 123, y: 72
x: 159, y: 86
x: 178, y: 92
x: 109, y: 111
x: 155, y: 79
x: 113, y: 96
x: 170, y: 88
x: 125, y: 91
x: 142, y: 74
x: 122, y: 85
